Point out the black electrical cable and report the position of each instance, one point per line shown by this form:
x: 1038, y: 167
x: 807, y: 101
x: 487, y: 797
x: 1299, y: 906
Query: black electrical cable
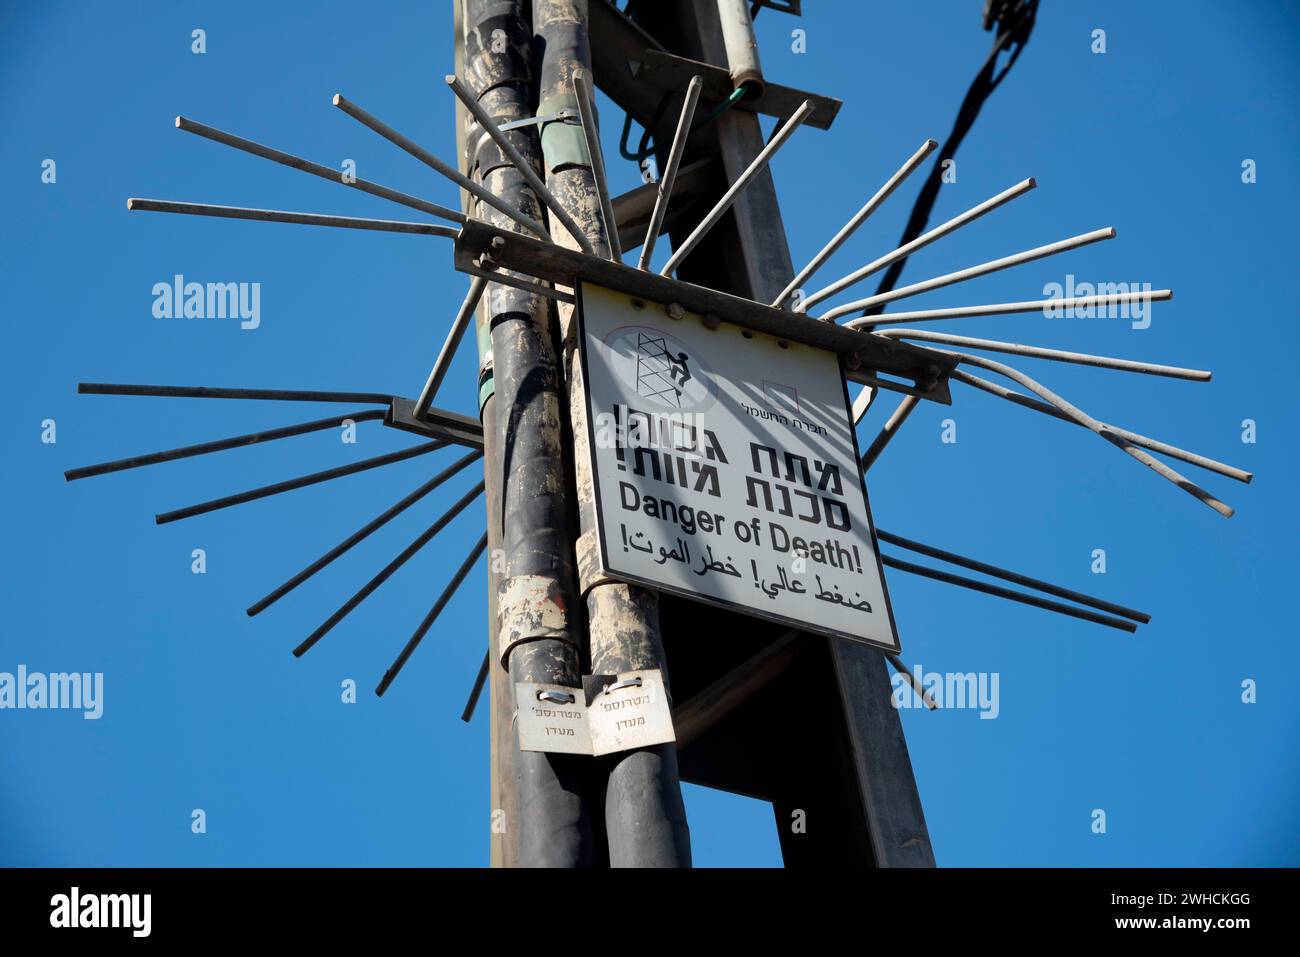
x: 645, y: 150
x: 1015, y: 21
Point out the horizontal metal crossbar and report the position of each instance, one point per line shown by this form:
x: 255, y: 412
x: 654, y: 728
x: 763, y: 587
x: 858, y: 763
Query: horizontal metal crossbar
x: 866, y: 357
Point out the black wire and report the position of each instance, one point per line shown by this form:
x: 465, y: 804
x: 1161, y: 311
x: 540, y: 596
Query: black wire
x: 644, y: 150
x: 1013, y: 33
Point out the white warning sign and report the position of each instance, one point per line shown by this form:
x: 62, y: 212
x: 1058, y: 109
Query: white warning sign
x: 726, y: 469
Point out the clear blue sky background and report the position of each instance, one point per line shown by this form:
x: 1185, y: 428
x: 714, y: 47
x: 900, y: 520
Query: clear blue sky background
x: 207, y: 709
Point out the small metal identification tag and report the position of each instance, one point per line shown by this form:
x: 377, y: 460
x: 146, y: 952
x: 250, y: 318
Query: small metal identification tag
x: 611, y: 713
x: 551, y: 718
x: 628, y: 711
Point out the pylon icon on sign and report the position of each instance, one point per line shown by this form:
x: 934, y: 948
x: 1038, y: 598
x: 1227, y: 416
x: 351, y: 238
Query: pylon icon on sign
x: 659, y: 373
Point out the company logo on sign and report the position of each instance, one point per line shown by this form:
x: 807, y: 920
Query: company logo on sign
x: 781, y: 397
x: 662, y: 369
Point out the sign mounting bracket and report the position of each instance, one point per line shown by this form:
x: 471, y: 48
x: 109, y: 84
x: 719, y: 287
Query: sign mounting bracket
x: 867, y: 358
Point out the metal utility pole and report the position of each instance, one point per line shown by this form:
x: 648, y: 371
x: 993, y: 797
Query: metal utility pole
x: 788, y: 703
x: 503, y: 791
x: 538, y: 637
x: 645, y: 818
x: 855, y: 786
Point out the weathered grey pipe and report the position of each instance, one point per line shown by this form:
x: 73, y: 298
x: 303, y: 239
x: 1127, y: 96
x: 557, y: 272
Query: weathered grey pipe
x: 503, y: 846
x: 741, y: 45
x: 554, y: 825
x: 587, y: 112
x: 521, y: 163
x: 645, y: 817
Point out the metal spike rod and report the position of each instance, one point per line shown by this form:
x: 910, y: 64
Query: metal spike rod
x: 316, y: 169
x: 866, y: 398
x: 860, y: 217
x: 380, y: 520
x: 1146, y: 442
x: 664, y: 190
x: 286, y: 216
x: 1059, y: 355
x: 525, y: 170
x: 450, y: 344
x: 387, y: 571
x: 1011, y: 595
x: 587, y: 113
x: 888, y: 431
x: 301, y: 481
x: 438, y: 166
x: 905, y: 250
x: 475, y: 692
x: 757, y: 166
x: 1012, y: 308
x: 710, y: 705
x: 214, y: 392
x: 220, y: 445
x: 400, y: 662
x: 916, y: 687
x: 961, y: 275
x: 1082, y: 418
x: 1035, y: 583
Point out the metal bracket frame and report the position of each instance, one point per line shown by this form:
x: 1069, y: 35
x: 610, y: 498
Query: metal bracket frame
x: 866, y: 357
x: 437, y: 424
x: 671, y: 73
x: 619, y: 66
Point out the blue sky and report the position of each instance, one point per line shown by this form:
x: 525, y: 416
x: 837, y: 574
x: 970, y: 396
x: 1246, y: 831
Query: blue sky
x: 205, y: 708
